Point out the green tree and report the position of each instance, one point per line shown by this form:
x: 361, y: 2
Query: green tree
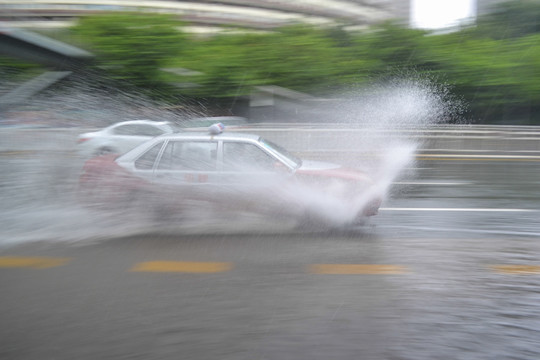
x: 299, y: 57
x: 511, y: 19
x: 496, y: 77
x: 493, y: 67
x: 133, y: 46
x: 395, y: 46
x: 17, y: 70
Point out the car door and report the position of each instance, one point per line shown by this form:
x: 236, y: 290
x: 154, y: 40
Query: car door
x: 255, y: 178
x: 145, y: 164
x: 188, y: 168
x: 246, y: 165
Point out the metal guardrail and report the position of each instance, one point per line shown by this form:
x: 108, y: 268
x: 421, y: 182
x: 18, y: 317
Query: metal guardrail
x: 434, y: 139
x: 324, y: 140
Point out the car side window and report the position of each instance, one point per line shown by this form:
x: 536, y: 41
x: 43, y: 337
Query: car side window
x: 238, y: 156
x: 146, y: 161
x: 125, y: 130
x: 189, y: 155
x: 138, y: 130
x: 148, y: 130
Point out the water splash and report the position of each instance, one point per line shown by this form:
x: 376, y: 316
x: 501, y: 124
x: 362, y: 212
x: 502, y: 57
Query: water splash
x: 402, y: 103
x: 39, y: 200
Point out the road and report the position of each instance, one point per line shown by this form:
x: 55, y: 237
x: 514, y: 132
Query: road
x: 448, y: 270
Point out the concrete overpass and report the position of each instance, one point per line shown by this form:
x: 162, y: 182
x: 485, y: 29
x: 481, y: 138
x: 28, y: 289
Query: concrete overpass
x: 32, y: 47
x: 210, y: 15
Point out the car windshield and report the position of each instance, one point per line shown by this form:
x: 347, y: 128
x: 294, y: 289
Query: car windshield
x: 176, y: 127
x: 294, y: 161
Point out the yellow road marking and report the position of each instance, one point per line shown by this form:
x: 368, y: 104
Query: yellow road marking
x: 516, y: 269
x: 16, y: 152
x: 31, y: 262
x: 343, y: 269
x: 182, y: 266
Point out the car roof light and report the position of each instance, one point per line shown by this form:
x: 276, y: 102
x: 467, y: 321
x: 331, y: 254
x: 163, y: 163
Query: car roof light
x: 216, y: 129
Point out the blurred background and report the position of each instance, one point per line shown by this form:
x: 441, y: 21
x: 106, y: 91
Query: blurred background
x: 241, y: 57
x: 437, y: 100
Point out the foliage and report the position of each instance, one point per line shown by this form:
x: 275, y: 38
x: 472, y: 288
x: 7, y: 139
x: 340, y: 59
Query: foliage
x: 511, y: 19
x: 494, y: 67
x: 132, y: 46
x: 14, y: 69
x: 293, y: 57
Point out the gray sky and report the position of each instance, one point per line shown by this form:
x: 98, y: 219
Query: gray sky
x: 433, y: 14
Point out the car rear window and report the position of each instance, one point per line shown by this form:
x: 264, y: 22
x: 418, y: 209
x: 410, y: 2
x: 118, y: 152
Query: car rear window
x: 138, y: 130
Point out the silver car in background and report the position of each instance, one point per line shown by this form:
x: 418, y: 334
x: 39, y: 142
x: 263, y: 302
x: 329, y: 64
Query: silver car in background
x: 232, y: 172
x: 121, y: 137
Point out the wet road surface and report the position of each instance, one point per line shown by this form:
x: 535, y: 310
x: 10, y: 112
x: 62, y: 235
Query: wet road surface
x: 448, y: 270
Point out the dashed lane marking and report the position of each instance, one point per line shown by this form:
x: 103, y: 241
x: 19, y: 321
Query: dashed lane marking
x: 516, y: 269
x: 17, y: 152
x: 182, y: 266
x: 351, y: 269
x: 32, y: 262
x: 219, y: 267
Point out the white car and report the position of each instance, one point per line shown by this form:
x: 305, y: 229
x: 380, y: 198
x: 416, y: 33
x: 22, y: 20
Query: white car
x: 121, y: 137
x: 230, y: 171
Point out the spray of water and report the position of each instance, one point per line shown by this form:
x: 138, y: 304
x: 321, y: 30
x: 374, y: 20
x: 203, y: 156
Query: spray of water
x: 383, y: 126
x: 38, y: 195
